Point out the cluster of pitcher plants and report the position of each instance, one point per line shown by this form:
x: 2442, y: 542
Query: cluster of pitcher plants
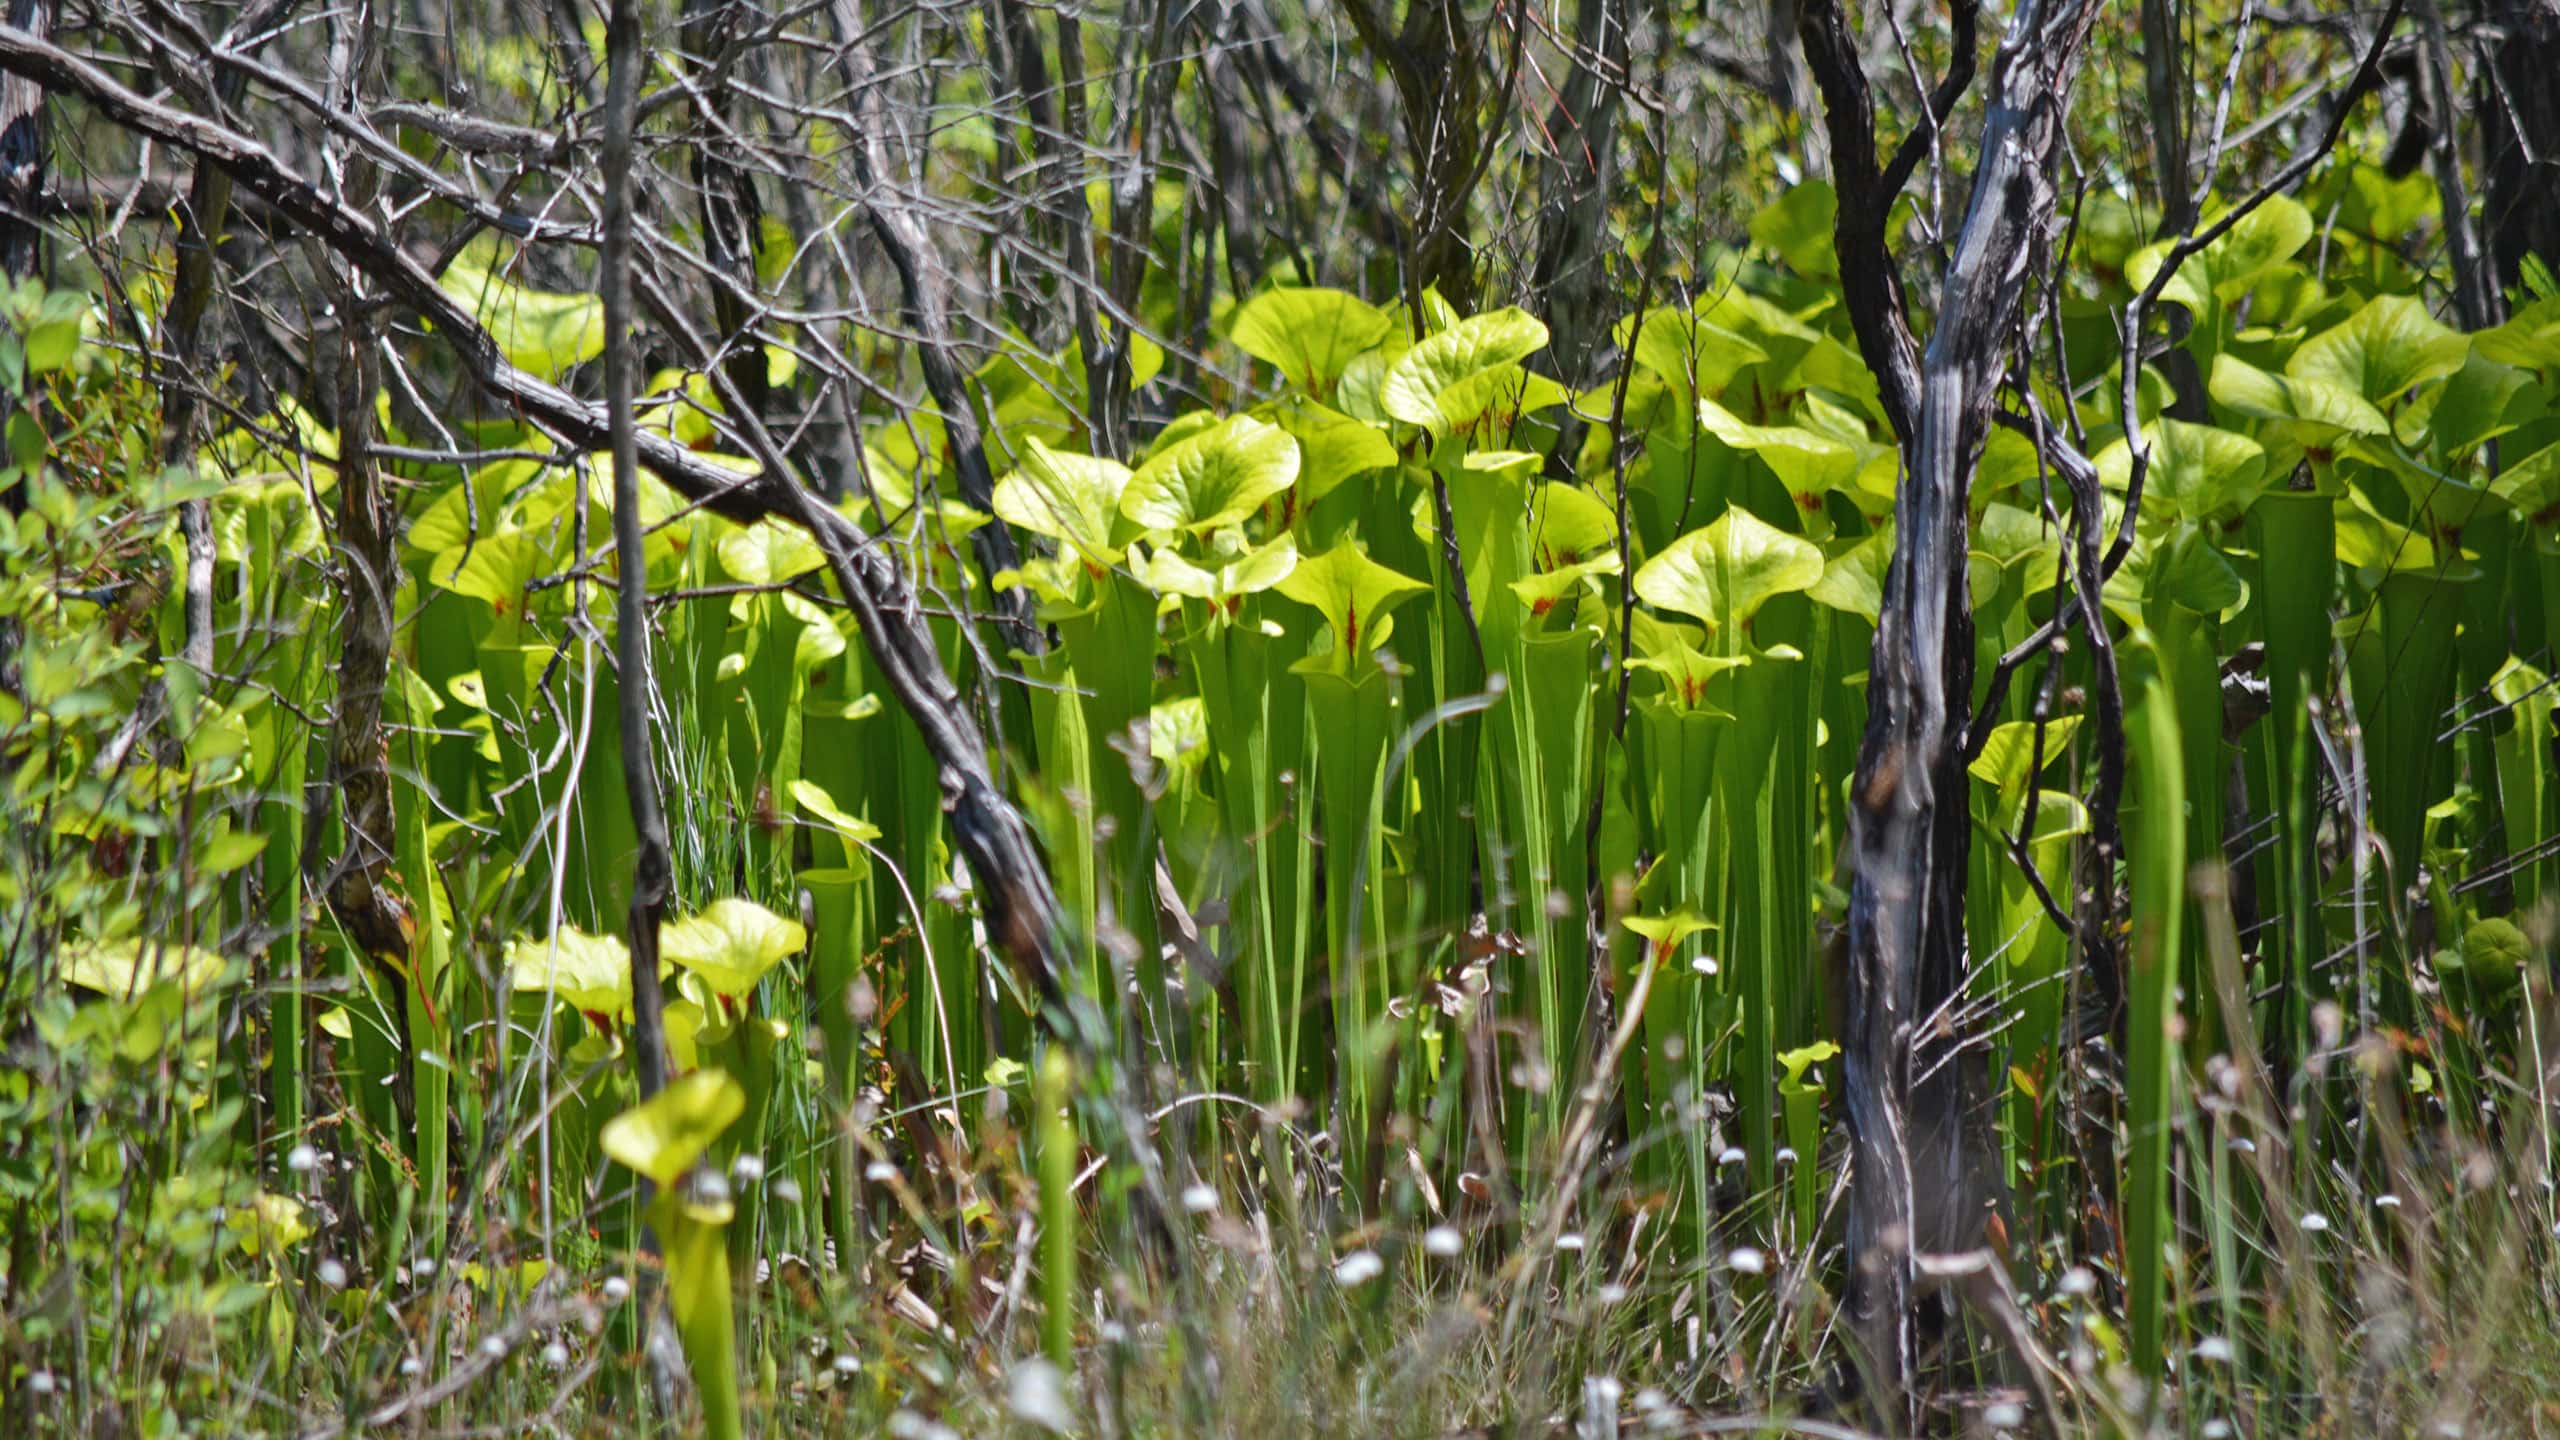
x: 1395, y: 729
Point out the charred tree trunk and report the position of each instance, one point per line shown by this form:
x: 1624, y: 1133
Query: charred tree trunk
x: 732, y: 210
x: 1436, y: 60
x: 1914, y: 1137
x: 2520, y: 120
x: 23, y: 153
x: 1573, y: 194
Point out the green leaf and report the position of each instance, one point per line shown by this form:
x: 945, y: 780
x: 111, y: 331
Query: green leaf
x: 1218, y: 476
x: 1686, y: 670
x: 1721, y: 575
x: 2006, y: 757
x: 2225, y: 270
x: 539, y: 331
x: 496, y: 570
x: 1332, y: 447
x: 1354, y: 594
x: 130, y: 966
x: 1692, y: 354
x: 1810, y: 465
x: 1073, y: 499
x: 2197, y: 468
x: 2382, y: 350
x: 1797, y: 1062
x: 1569, y: 525
x: 446, y: 523
x: 663, y: 1136
x: 769, y: 553
x: 2190, y: 572
x: 731, y: 944
x: 1668, y: 931
x: 2472, y: 408
x: 1309, y: 335
x: 1417, y: 380
x: 814, y: 800
x: 2532, y: 485
x: 1230, y: 575
x: 2323, y: 405
x: 591, y: 972
x: 1853, y: 580
x: 1797, y: 226
x: 51, y: 345
x: 2530, y: 339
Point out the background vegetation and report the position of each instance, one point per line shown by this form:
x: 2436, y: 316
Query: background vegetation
x: 1244, y: 718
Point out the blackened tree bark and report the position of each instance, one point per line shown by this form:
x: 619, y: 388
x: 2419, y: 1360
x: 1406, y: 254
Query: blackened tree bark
x: 23, y: 153
x: 732, y: 210
x: 1436, y: 59
x: 1913, y: 1137
x: 2520, y: 125
x: 1567, y: 280
x: 653, y: 870
x: 921, y: 285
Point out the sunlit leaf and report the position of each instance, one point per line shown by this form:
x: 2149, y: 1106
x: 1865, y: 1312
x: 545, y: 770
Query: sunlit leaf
x: 664, y: 1135
x: 1073, y: 499
x: 1723, y: 574
x: 1352, y: 591
x: 2260, y: 241
x: 1480, y: 343
x: 1218, y: 476
x: 769, y: 553
x: 591, y: 972
x: 128, y: 967
x: 2382, y: 350
x: 540, y: 331
x: 731, y: 944
x: 1308, y: 334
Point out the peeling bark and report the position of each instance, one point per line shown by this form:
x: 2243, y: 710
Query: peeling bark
x: 1911, y: 1137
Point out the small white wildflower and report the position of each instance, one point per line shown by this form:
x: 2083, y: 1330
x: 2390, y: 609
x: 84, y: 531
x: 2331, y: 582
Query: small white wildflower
x: 747, y: 1169
x: 1730, y: 1155
x: 423, y: 1266
x: 2216, y: 1429
x: 846, y: 1365
x: 41, y: 1382
x: 1747, y: 1261
x: 1610, y: 1294
x: 1650, y: 1399
x: 333, y: 1274
x: 302, y: 1159
x: 1440, y: 1240
x: 879, y: 1172
x: 2386, y: 1202
x: 556, y: 1355
x: 1036, y: 1392
x: 2214, y: 1349
x: 495, y: 1347
x: 1704, y: 964
x: 1358, y: 1268
x: 1199, y: 1199
x: 908, y: 1425
x: 2078, y: 1280
x: 2314, y: 1222
x: 616, y: 1290
x: 2243, y: 1145
x: 411, y: 1367
x: 787, y: 1190
x: 2004, y: 1415
x: 1786, y: 1155
x: 1114, y: 1333
x: 1570, y: 1240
